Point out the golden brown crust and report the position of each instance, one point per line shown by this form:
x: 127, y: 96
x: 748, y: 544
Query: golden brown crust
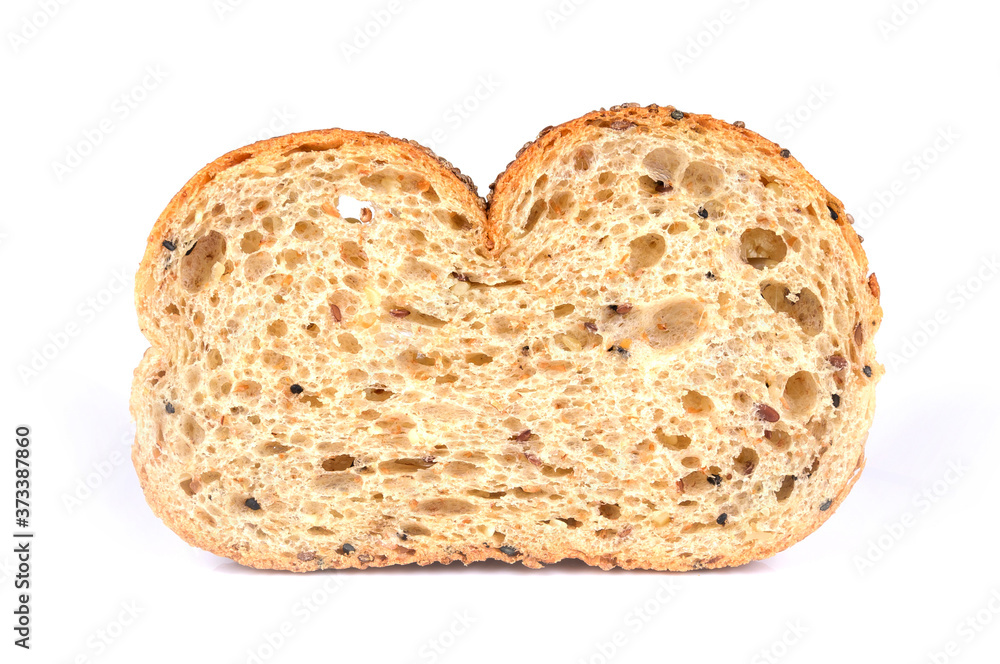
x: 497, y: 206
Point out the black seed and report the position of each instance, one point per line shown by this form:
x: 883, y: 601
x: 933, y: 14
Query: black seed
x: 508, y: 550
x: 868, y: 371
x: 676, y: 115
x: 170, y: 408
x: 833, y: 214
x: 403, y: 536
x: 722, y: 519
x: 168, y: 245
x: 715, y: 480
x: 621, y: 351
x: 740, y: 124
x: 826, y: 505
x: 710, y: 276
x: 459, y: 276
x: 252, y: 504
x: 785, y: 154
x: 703, y: 213
x: 525, y: 350
x: 188, y: 252
x: 348, y: 549
x: 296, y: 389
x: 836, y: 401
x: 621, y: 309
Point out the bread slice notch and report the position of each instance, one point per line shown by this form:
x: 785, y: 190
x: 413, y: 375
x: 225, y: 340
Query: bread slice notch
x: 655, y: 351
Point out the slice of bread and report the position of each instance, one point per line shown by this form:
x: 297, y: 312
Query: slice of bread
x: 652, y: 349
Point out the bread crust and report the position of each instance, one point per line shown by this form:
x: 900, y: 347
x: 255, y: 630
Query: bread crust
x: 527, y: 164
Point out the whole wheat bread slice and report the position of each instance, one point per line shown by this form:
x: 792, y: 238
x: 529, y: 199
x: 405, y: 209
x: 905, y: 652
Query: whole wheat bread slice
x: 652, y: 349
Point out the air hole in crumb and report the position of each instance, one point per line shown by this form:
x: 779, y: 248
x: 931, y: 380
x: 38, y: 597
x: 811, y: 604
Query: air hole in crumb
x: 696, y: 482
x: 702, y: 180
x: 271, y: 449
x: 445, y: 507
x: 293, y: 258
x: 583, y: 158
x: 694, y: 402
x: 664, y: 164
x: 536, y: 212
x: 250, y: 242
x: 489, y: 495
x: 277, y: 329
x: 785, y: 490
x: 404, y: 466
x: 805, y: 307
x: 552, y: 471
x: 198, y: 266
x: 454, y: 220
x: 354, y: 255
x: 646, y: 251
x: 610, y: 511
x: 478, y: 359
x: 377, y: 394
x: 338, y: 463
x: 430, y: 195
x: 271, y: 224
x: 691, y: 462
x: 762, y: 248
x: 746, y: 461
x: 348, y: 343
x: 462, y: 469
x: 307, y: 230
x: 778, y: 438
x: 560, y: 204
x: 563, y: 310
x: 258, y: 265
x: 801, y: 392
x: 675, y: 323
x: 671, y: 442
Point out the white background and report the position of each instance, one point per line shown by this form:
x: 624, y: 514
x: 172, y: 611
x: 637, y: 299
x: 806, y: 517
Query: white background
x: 891, y: 104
